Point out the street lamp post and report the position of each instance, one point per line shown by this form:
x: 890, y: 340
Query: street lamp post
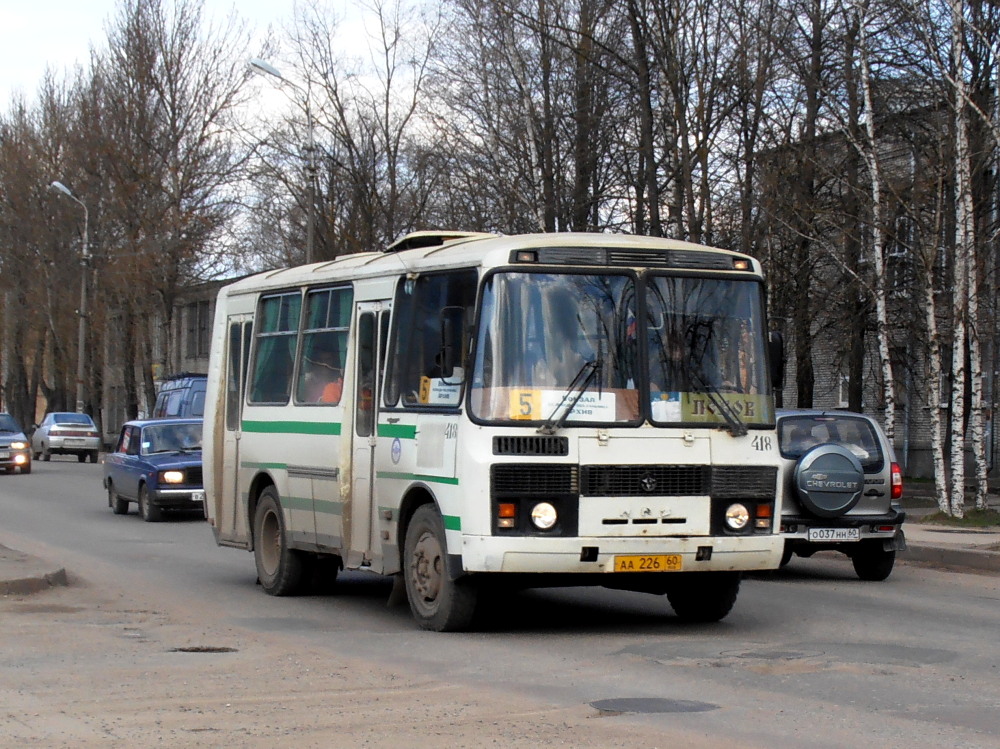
x: 265, y: 67
x: 85, y: 264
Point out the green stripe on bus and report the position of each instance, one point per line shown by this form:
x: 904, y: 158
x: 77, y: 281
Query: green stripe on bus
x: 403, y: 431
x: 266, y: 466
x: 328, y: 507
x: 293, y: 427
x: 418, y: 477
x: 452, y: 522
x: 297, y: 503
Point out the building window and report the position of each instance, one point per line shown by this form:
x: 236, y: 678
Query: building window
x: 199, y: 329
x: 843, y: 391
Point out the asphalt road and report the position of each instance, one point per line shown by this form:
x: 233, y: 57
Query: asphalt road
x: 810, y: 656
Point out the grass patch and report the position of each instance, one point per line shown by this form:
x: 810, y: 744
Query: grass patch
x: 972, y: 519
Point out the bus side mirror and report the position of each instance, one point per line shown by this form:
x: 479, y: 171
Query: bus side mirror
x: 776, y: 355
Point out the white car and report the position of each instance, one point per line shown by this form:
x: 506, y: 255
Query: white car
x: 64, y: 433
x: 842, y: 489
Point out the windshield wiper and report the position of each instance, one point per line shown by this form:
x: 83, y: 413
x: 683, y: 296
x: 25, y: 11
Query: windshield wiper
x: 733, y: 421
x: 571, y: 397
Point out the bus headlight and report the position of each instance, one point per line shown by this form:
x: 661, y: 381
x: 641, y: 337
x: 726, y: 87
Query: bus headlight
x: 543, y: 515
x: 172, y: 477
x: 737, y: 516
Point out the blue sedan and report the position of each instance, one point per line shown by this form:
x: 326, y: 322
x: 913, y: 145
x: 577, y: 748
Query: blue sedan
x: 156, y: 464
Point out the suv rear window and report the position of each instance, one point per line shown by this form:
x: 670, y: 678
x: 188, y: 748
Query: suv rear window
x: 796, y: 434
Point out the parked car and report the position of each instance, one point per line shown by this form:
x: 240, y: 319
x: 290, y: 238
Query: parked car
x: 156, y: 464
x: 181, y: 396
x: 15, y: 451
x: 62, y: 433
x: 842, y: 489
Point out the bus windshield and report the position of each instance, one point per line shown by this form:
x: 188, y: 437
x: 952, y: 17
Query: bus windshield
x: 573, y: 342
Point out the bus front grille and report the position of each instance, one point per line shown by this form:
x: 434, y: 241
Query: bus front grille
x: 644, y: 480
x: 531, y: 445
x: 533, y: 480
x: 744, y: 482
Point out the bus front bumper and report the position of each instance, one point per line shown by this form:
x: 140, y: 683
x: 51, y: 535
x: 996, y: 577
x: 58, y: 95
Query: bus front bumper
x: 617, y: 555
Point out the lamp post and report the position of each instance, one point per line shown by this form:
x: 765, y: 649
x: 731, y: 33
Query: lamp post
x: 84, y: 264
x: 265, y: 67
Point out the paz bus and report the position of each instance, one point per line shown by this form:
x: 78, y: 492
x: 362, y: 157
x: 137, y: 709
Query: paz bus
x: 469, y: 412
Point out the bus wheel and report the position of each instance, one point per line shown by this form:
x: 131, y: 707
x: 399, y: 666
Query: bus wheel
x: 704, y: 596
x: 280, y: 569
x: 438, y: 602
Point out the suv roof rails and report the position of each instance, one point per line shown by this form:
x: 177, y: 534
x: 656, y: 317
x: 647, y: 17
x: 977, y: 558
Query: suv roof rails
x: 182, y: 375
x: 435, y: 238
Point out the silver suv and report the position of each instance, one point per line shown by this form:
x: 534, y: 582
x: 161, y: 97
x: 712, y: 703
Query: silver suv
x: 842, y: 489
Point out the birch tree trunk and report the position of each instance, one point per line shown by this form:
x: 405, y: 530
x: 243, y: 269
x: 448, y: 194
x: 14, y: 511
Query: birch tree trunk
x: 964, y: 251
x: 878, y: 243
x: 934, y: 388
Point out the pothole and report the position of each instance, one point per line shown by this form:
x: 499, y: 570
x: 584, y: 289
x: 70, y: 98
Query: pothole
x: 650, y: 705
x: 772, y: 655
x: 46, y: 608
x: 203, y: 649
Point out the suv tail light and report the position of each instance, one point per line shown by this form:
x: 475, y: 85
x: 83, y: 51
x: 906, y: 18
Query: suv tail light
x: 897, y: 481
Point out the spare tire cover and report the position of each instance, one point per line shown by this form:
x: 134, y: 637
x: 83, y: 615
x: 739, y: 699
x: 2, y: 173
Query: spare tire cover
x: 828, y: 480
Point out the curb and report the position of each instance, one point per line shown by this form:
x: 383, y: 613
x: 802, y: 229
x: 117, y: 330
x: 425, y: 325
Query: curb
x: 22, y: 574
x: 26, y: 585
x: 958, y: 559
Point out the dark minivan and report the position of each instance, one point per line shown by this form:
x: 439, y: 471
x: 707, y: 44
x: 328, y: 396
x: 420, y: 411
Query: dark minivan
x: 181, y: 396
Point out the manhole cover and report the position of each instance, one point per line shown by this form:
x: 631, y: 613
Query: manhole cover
x: 651, y: 705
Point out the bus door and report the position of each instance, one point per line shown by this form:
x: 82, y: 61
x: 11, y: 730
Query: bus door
x: 371, y: 325
x: 231, y: 517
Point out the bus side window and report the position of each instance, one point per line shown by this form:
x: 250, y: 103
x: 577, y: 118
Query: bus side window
x: 364, y: 399
x: 323, y: 351
x: 429, y: 333
x: 236, y: 372
x: 274, y: 348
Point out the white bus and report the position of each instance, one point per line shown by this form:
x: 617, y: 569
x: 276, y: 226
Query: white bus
x: 468, y: 409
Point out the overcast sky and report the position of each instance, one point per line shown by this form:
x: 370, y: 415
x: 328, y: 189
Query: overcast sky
x: 59, y: 33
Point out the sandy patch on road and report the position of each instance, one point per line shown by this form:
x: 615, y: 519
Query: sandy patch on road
x: 80, y: 670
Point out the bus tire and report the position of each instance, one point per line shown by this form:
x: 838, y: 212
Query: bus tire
x: 703, y: 597
x: 438, y: 602
x: 280, y: 569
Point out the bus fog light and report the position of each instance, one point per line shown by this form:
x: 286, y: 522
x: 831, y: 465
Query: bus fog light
x: 507, y: 515
x: 543, y: 515
x: 737, y: 516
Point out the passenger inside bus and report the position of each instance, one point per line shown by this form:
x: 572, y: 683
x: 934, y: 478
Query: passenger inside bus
x: 324, y: 379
